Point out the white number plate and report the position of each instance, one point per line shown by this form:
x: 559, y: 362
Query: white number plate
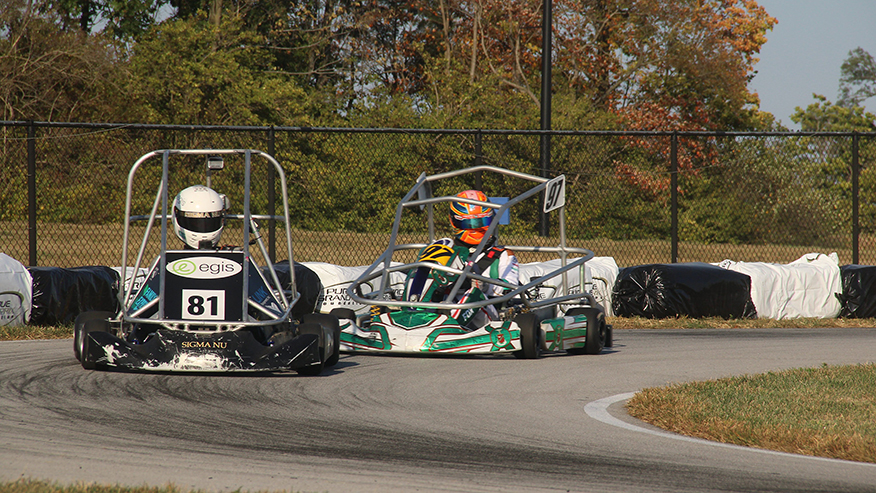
x: 203, y: 304
x: 555, y: 194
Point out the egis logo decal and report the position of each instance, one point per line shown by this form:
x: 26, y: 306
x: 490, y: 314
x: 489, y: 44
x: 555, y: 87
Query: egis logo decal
x: 204, y: 267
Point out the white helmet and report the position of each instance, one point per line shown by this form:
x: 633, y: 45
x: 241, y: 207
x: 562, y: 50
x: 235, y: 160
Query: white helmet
x: 199, y: 216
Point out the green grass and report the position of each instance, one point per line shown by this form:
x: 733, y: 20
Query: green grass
x: 36, y: 486
x: 825, y: 412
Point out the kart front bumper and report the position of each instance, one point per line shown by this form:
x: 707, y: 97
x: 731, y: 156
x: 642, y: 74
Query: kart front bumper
x: 171, y: 350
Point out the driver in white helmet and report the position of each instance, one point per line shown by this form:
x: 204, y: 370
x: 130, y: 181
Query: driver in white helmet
x: 199, y: 217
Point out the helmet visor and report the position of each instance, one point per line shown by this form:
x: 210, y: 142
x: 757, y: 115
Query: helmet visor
x: 199, y: 222
x: 472, y: 222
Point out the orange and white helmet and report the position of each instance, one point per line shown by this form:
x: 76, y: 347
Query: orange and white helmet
x: 471, y: 221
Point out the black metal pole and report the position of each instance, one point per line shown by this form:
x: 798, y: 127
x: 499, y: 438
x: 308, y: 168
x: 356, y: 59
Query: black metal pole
x: 856, y: 171
x: 479, y: 159
x: 546, y: 55
x: 31, y: 195
x: 673, y: 187
x: 272, y: 200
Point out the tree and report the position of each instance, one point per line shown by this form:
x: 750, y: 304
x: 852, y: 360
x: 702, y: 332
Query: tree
x: 691, y: 58
x: 824, y: 116
x: 857, y: 79
x: 53, y: 75
x: 120, y: 19
x: 188, y: 71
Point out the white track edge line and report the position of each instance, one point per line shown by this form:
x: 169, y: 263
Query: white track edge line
x: 598, y: 410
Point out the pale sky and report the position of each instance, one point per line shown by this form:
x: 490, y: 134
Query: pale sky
x: 805, y: 50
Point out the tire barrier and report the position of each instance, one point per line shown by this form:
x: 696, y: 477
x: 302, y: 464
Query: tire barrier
x: 812, y: 287
x: 15, y: 292
x: 858, y: 299
x: 59, y: 295
x: 808, y: 287
x: 695, y: 290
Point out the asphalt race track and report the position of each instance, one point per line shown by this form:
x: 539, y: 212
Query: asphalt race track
x: 382, y: 423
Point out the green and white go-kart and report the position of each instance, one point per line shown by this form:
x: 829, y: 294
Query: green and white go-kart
x: 529, y: 322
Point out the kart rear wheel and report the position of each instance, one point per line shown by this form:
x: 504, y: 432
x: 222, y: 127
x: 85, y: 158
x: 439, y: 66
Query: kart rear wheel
x: 329, y: 322
x: 317, y: 330
x: 529, y: 332
x: 93, y: 325
x: 596, y: 330
x: 79, y: 323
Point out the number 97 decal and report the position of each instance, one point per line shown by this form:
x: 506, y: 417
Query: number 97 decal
x: 555, y: 193
x: 203, y: 304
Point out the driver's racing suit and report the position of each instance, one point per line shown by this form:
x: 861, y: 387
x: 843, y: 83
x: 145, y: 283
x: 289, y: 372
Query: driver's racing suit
x: 494, y: 262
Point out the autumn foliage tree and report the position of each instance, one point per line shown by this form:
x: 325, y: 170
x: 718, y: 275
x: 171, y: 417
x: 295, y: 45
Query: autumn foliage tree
x: 49, y: 73
x: 650, y: 64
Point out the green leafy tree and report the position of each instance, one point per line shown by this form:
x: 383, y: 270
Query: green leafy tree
x: 119, y: 19
x: 53, y: 75
x: 824, y: 116
x: 187, y: 71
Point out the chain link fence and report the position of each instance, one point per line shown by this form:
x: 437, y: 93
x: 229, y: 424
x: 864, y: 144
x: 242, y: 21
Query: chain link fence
x: 639, y: 197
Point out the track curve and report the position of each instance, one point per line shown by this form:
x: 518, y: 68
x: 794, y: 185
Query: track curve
x: 394, y: 423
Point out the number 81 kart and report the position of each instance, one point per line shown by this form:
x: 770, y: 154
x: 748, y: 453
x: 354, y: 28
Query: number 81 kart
x: 207, y: 308
x: 418, y: 320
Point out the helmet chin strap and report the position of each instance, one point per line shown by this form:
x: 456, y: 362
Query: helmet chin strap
x: 205, y: 245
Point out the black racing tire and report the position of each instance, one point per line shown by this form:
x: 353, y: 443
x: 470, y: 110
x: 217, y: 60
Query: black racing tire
x: 331, y: 323
x: 83, y: 343
x: 529, y: 340
x: 597, y: 330
x: 344, y: 314
x: 609, y: 336
x: 319, y: 331
x: 79, y: 323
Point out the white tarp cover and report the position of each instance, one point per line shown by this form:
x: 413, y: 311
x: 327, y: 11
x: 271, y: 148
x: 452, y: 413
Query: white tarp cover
x: 600, y: 274
x: 129, y: 274
x: 805, y: 288
x: 336, y: 279
x: 16, y: 292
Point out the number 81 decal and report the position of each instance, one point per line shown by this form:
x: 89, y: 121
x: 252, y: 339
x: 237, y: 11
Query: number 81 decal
x: 203, y: 304
x: 555, y: 193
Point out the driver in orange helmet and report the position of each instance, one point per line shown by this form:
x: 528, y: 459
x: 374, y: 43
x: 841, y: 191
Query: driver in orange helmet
x: 470, y: 223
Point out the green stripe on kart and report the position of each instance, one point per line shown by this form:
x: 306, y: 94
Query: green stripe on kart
x: 557, y: 332
x: 498, y: 338
x: 381, y: 343
x: 415, y: 318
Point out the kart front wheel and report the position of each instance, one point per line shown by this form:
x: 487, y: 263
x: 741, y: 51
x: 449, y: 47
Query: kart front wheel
x: 80, y: 323
x: 597, y: 331
x: 319, y: 332
x: 333, y: 327
x: 83, y: 341
x: 529, y: 340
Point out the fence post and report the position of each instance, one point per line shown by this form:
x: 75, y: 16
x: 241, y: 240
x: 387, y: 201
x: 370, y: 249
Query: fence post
x: 479, y: 158
x: 547, y: 22
x: 31, y: 194
x: 856, y: 171
x: 272, y: 199
x: 673, y: 190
